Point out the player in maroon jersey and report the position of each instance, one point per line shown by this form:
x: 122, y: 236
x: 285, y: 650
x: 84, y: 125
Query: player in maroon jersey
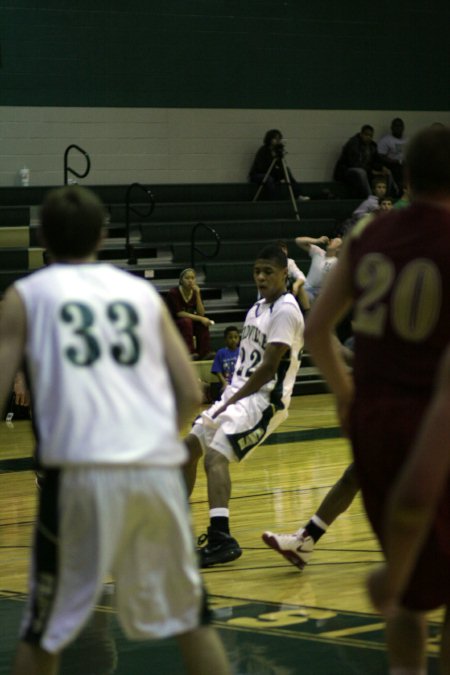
x: 395, y: 273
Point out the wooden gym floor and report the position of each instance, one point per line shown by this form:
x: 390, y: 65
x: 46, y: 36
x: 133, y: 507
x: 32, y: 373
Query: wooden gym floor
x: 273, y: 619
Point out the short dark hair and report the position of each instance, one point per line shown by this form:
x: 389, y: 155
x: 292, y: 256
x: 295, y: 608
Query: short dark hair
x: 273, y: 252
x: 230, y: 329
x: 72, y: 219
x: 367, y: 127
x: 377, y: 180
x: 428, y: 161
x: 272, y: 133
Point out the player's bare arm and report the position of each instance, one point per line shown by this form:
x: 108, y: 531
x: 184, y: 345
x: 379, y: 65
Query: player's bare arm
x: 273, y: 354
x: 305, y: 243
x: 21, y: 391
x: 12, y: 341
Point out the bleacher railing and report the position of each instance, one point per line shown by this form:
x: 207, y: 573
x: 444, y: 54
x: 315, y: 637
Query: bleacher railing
x: 129, y: 208
x: 195, y: 249
x: 68, y: 169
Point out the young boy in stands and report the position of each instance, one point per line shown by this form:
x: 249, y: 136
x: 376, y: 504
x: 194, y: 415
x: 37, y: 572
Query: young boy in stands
x: 386, y: 204
x: 372, y: 203
x: 226, y: 357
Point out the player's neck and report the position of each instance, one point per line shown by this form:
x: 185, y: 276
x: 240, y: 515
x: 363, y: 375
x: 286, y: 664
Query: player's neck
x: 76, y: 261
x: 273, y: 297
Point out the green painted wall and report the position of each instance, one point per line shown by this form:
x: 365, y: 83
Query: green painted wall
x: 287, y: 54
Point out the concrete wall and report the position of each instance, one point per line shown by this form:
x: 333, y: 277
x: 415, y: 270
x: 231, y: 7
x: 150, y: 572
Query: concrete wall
x: 183, y: 90
x: 178, y: 145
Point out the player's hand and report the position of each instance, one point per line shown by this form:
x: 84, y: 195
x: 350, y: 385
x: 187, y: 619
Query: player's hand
x: 219, y: 411
x: 324, y: 240
x: 22, y: 398
x: 21, y: 392
x: 382, y: 595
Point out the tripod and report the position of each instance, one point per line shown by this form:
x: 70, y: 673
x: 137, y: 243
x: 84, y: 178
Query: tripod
x: 287, y: 178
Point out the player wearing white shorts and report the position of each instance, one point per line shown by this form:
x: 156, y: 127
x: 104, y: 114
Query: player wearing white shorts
x: 254, y: 404
x: 111, y: 383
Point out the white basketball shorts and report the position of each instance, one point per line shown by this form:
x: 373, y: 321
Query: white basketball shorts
x: 128, y: 522
x: 240, y: 428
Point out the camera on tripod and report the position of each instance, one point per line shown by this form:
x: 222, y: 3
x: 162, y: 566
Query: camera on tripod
x: 279, y: 150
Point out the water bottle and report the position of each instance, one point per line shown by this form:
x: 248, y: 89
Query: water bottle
x: 24, y: 175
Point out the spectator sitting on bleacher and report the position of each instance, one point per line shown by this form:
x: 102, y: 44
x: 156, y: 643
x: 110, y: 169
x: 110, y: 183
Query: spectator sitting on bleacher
x: 360, y: 162
x: 404, y: 199
x: 386, y: 204
x: 372, y: 203
x: 226, y: 357
x: 391, y: 148
x: 186, y: 306
x: 273, y: 149
x: 321, y: 261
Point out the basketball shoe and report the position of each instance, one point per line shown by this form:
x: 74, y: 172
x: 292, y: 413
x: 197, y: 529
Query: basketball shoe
x: 220, y: 548
x: 297, y: 548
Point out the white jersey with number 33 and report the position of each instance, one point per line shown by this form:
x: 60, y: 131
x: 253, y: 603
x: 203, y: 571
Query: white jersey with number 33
x: 100, y: 387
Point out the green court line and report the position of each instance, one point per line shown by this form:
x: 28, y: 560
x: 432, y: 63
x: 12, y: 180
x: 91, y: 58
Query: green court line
x: 303, y: 435
x: 18, y: 464
x: 300, y: 436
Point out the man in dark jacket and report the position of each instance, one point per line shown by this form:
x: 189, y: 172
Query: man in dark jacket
x: 360, y: 162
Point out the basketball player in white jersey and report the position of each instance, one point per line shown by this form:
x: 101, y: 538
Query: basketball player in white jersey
x: 254, y: 404
x: 111, y: 383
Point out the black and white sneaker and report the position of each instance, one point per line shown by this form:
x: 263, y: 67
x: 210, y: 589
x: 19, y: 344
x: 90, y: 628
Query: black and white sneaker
x: 219, y: 548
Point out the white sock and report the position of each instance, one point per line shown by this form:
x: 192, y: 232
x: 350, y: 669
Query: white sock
x: 219, y: 513
x: 319, y: 522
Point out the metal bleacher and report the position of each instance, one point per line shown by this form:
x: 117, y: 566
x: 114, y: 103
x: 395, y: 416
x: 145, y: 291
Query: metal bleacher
x: 162, y: 241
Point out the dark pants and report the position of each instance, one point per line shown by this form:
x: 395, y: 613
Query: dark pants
x: 190, y: 329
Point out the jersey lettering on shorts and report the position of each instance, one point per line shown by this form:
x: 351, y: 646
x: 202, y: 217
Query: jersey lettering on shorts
x: 245, y: 441
x: 45, y: 580
x: 42, y: 604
